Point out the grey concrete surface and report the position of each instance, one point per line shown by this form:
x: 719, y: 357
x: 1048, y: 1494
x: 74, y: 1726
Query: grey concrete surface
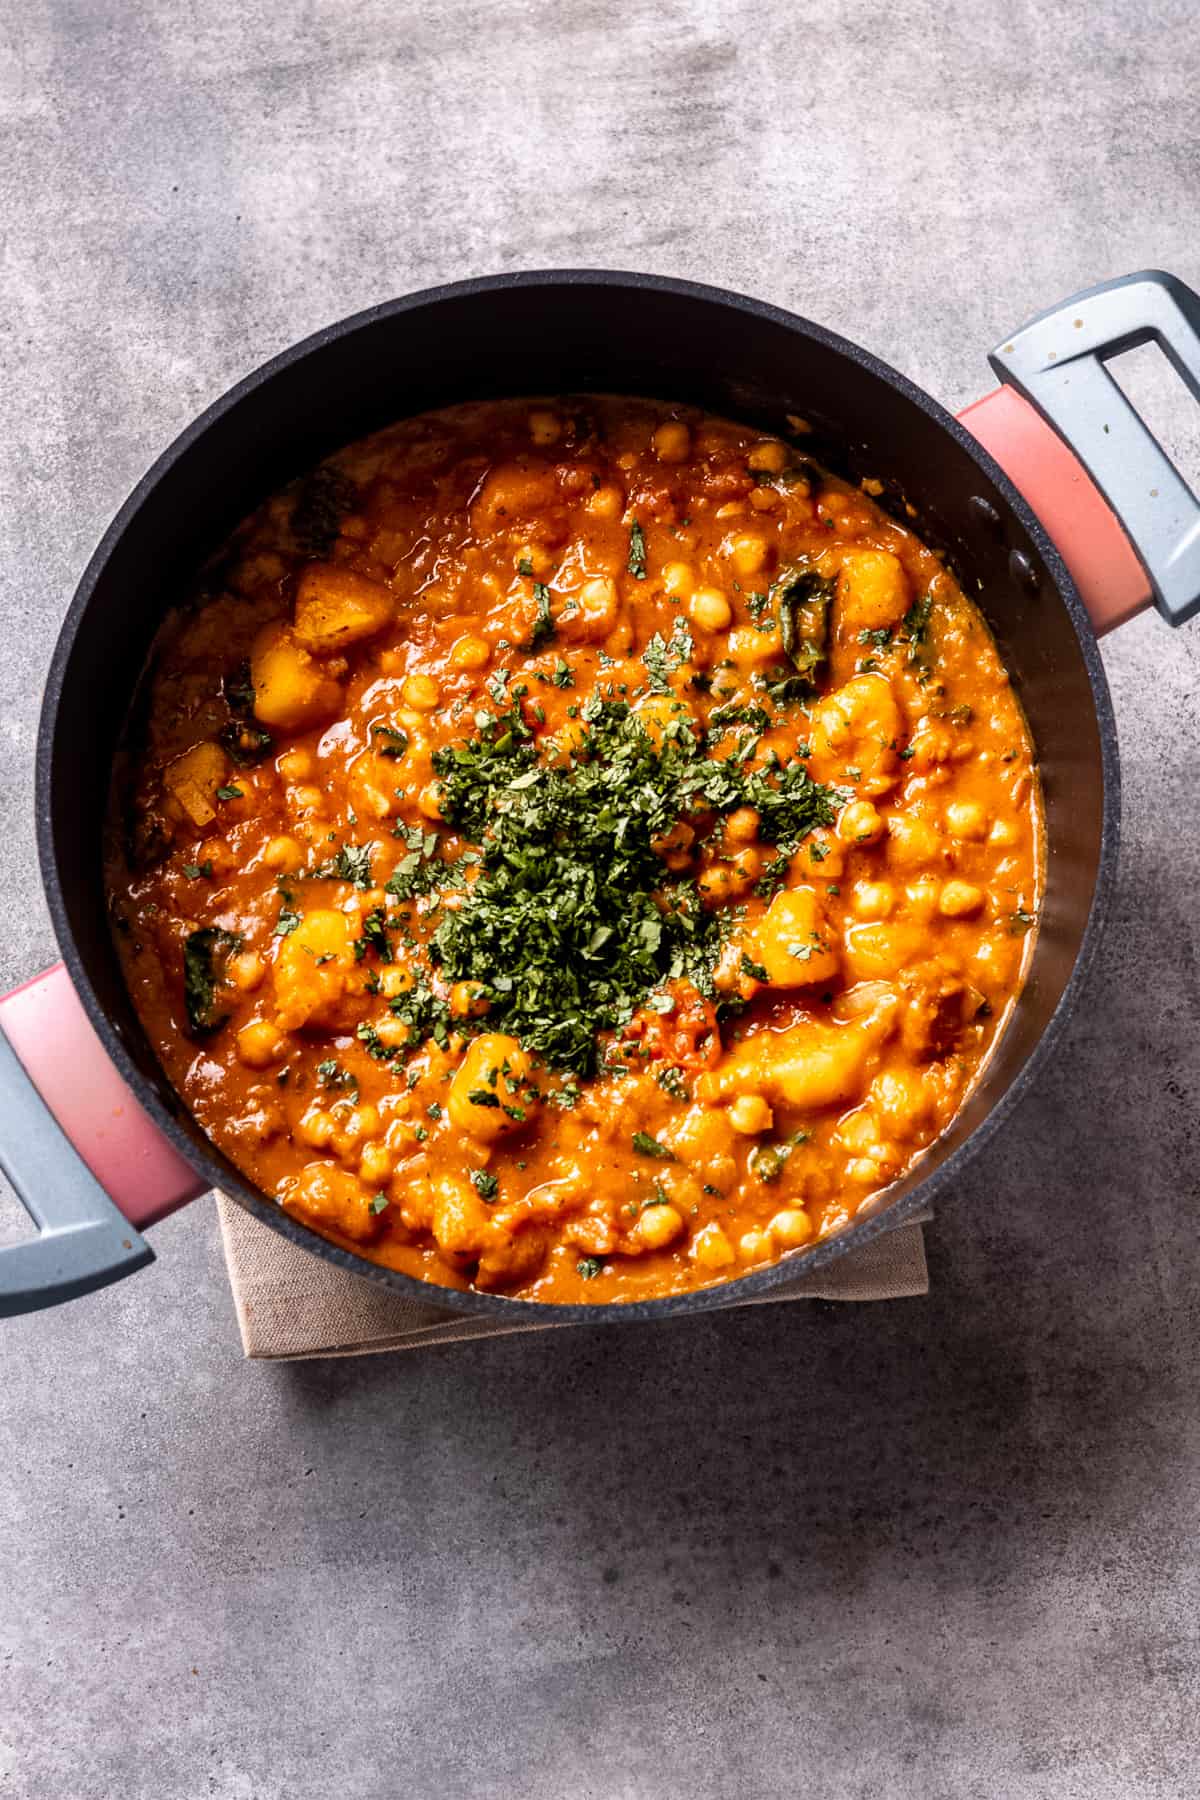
x: 943, y: 1548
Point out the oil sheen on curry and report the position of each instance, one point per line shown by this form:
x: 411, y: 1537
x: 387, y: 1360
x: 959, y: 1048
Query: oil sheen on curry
x: 579, y: 850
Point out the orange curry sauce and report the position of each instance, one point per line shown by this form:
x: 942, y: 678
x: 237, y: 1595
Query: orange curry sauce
x: 577, y: 849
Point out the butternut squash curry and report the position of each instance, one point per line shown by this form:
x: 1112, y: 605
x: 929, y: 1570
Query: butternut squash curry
x: 579, y: 849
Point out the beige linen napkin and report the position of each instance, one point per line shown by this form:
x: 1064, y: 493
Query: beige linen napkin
x: 291, y: 1305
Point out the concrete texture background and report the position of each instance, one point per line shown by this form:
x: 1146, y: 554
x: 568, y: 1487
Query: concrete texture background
x: 936, y: 1548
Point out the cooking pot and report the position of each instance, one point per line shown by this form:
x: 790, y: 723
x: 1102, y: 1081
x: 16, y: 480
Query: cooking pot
x: 1023, y: 491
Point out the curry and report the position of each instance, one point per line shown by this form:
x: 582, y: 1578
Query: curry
x: 577, y: 849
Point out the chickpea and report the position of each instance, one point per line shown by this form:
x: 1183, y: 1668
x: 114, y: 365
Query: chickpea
x: 764, y: 499
x: 873, y: 899
x: 721, y: 882
x: 822, y: 856
x: 672, y: 442
x: 544, y: 427
x: 750, y: 647
x: 360, y: 1123
x: 967, y: 821
x: 709, y: 609
x: 680, y: 579
x: 770, y: 456
x: 791, y: 1227
x: 921, y: 898
x: 259, y: 1044
x: 657, y: 1226
x: 316, y: 1128
x: 959, y: 899
x: 246, y: 971
x: 741, y: 827
x: 307, y: 799
x: 468, y: 1001
x: 750, y: 1114
x: 864, y: 1169
x: 392, y: 1032
x: 597, y: 602
x: 606, y: 503
x: 376, y: 1164
x: 421, y: 692
x: 860, y: 823
x: 470, y: 653
x: 859, y: 1131
x: 711, y: 1248
x: 749, y: 863
x: 1004, y: 833
x: 394, y: 980
x: 748, y: 553
x: 755, y: 1246
x: 430, y: 800
x: 297, y: 765
x: 283, y: 853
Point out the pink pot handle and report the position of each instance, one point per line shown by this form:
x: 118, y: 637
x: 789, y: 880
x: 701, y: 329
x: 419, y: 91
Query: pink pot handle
x: 1125, y: 521
x: 88, y: 1163
x: 1112, y: 583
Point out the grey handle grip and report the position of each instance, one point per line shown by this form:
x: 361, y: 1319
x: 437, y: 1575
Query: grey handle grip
x: 83, y: 1242
x: 1057, y: 362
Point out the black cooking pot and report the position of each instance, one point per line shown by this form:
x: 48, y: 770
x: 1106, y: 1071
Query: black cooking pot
x: 1037, y: 565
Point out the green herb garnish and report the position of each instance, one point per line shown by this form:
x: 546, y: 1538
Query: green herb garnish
x: 543, y: 624
x: 206, y: 956
x: 395, y: 742
x: 645, y: 1145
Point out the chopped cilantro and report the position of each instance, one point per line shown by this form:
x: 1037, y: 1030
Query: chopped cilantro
x: 330, y: 1073
x: 572, y: 920
x: 352, y: 863
x: 485, y: 1184
x: 671, y: 1081
x: 230, y: 793
x: 374, y: 936
x: 198, y: 871
x: 206, y: 955
x: 664, y: 655
x: 589, y: 1267
x: 286, y: 922
x: 645, y: 1145
x: 543, y: 624
x: 395, y: 742
x: 377, y: 1203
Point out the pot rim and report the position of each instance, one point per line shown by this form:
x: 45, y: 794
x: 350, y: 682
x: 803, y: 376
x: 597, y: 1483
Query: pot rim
x: 756, y: 1284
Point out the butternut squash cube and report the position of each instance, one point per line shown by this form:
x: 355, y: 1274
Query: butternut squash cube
x: 872, y: 591
x: 336, y: 608
x: 330, y: 1197
x: 291, y: 690
x: 792, y: 940
x: 490, y: 1095
x: 315, y: 972
x: 192, y: 781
